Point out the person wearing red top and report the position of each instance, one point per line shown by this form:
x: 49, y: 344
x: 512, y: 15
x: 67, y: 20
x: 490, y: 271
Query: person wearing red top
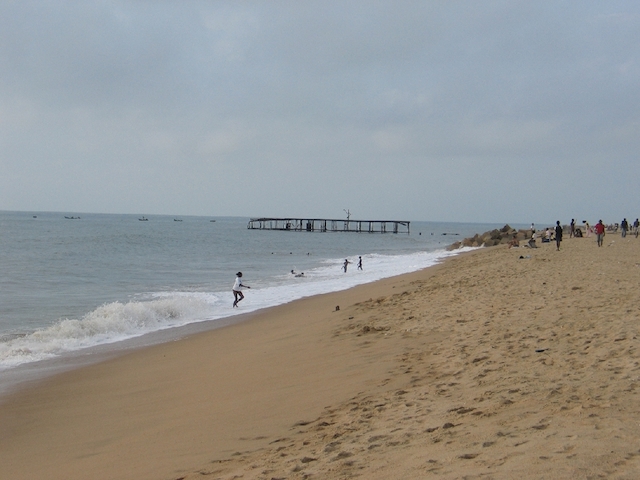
x: 599, y: 228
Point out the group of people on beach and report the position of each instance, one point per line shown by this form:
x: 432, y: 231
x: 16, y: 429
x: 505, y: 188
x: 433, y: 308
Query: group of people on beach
x: 347, y: 263
x: 238, y: 296
x: 599, y: 230
x: 549, y: 235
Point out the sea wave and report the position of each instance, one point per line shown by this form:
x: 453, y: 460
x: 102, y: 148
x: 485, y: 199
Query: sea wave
x: 108, y: 323
x: 117, y: 321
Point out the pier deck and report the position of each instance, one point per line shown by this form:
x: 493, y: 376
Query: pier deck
x: 329, y: 225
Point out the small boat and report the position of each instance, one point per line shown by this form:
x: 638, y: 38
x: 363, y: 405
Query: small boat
x: 177, y: 220
x: 212, y: 220
x: 144, y: 219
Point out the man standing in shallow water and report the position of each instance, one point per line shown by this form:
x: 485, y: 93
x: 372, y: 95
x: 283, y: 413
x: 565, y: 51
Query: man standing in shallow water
x: 345, y: 265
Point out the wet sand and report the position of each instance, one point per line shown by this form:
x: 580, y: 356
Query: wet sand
x: 487, y: 366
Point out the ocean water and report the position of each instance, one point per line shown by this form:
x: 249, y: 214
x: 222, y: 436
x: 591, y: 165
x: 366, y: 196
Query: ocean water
x: 70, y: 284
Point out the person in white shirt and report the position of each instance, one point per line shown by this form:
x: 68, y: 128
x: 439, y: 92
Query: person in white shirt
x: 237, y: 293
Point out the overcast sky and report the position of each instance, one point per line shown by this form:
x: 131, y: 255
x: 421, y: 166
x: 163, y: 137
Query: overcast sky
x: 487, y: 111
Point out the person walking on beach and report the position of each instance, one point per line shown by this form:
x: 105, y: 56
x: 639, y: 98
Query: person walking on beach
x: 344, y: 266
x: 636, y: 224
x: 359, y: 263
x: 558, y: 235
x: 599, y: 228
x: 572, y: 228
x: 237, y: 293
x: 624, y: 225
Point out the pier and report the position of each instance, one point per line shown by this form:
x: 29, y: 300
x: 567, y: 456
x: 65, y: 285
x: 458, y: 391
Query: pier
x: 329, y: 225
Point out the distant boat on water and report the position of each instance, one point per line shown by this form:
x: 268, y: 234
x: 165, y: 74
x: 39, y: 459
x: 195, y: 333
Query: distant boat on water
x: 212, y: 220
x: 144, y: 219
x: 177, y: 220
x: 72, y: 218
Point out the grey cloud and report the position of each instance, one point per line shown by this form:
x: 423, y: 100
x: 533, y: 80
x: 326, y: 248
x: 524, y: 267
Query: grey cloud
x: 427, y: 101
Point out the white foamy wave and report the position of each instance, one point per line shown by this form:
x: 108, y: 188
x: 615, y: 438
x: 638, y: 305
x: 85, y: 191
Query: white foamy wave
x: 329, y: 278
x: 114, y: 322
x: 109, y: 323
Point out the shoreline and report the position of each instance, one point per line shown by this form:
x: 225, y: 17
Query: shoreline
x: 41, y: 371
x: 117, y: 324
x: 485, y: 363
x: 26, y: 373
x: 33, y: 373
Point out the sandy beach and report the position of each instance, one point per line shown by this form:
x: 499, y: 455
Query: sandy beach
x: 499, y: 363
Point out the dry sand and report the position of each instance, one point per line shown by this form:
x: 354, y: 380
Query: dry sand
x: 488, y: 366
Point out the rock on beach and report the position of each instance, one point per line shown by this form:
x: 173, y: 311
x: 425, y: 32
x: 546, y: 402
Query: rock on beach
x: 492, y: 238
